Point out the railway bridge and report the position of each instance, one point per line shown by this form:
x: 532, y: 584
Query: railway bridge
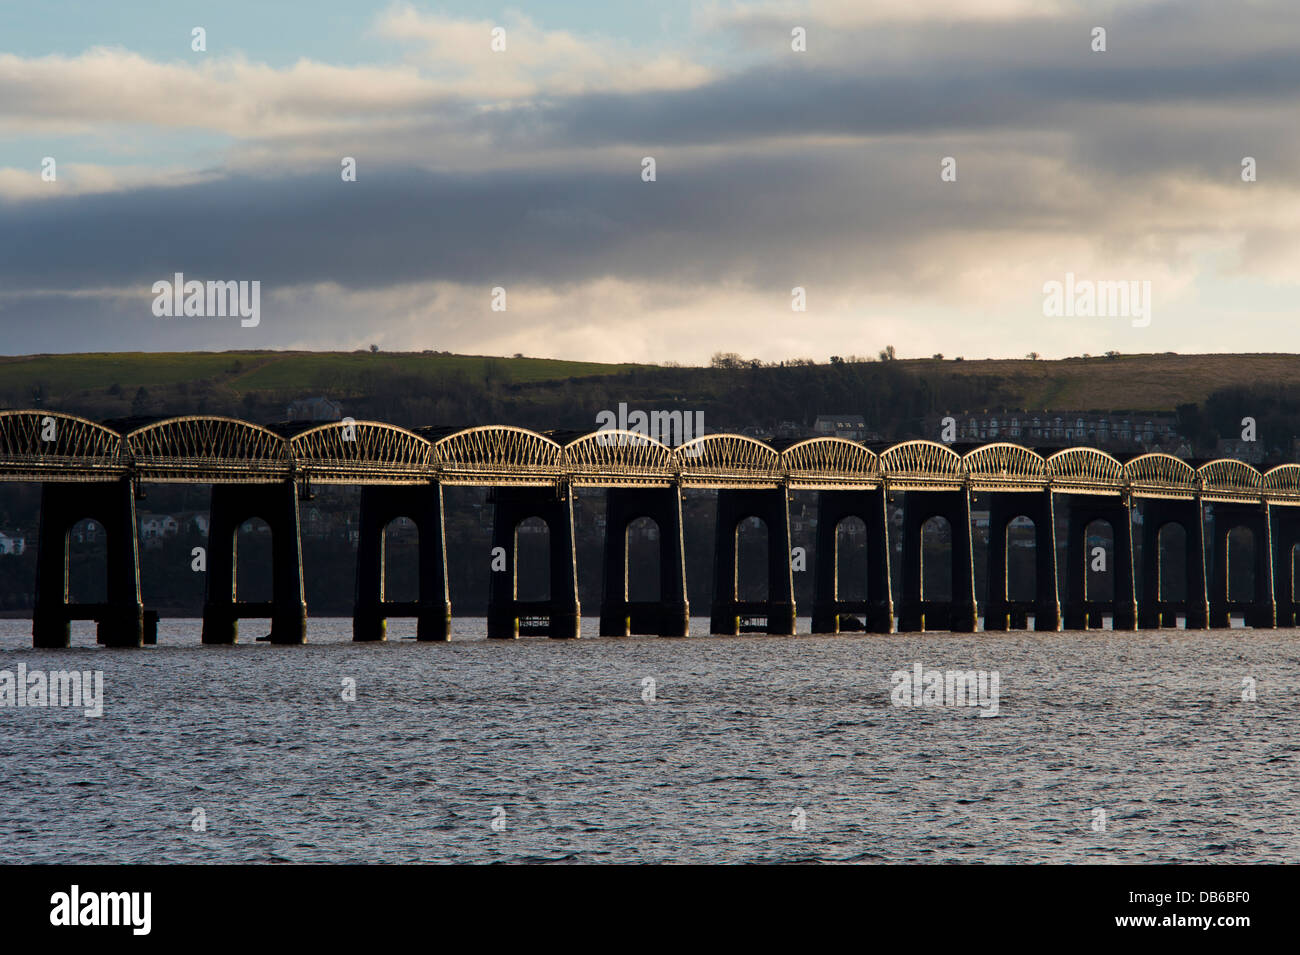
x: 96, y: 470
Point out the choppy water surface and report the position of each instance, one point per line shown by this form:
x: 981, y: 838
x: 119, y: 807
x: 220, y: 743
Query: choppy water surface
x: 1150, y: 727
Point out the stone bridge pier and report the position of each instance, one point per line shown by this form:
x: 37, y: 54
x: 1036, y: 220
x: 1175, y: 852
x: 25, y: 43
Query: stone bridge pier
x: 120, y: 619
x: 508, y: 616
x: 670, y: 615
x: 422, y: 504
x: 1154, y: 611
x: 877, y: 610
x: 960, y: 612
x: 1082, y: 612
x: 771, y: 506
x: 1261, y: 609
x: 1000, y: 612
x: 277, y: 505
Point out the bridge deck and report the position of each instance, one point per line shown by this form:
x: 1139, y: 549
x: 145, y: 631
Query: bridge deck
x: 40, y: 446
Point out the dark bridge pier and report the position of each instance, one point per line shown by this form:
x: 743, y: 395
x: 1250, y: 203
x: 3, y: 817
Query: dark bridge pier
x: 1000, y: 612
x: 232, y: 505
x: 1261, y: 610
x: 1081, y: 613
x: 877, y: 609
x: 670, y: 615
x: 1284, y: 536
x: 1153, y: 611
x: 771, y: 506
x: 961, y: 612
x: 423, y: 505
x: 511, y: 507
x: 121, y: 618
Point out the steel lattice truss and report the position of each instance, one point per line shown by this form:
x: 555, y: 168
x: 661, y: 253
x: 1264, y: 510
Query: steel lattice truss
x: 1005, y: 467
x: 1085, y: 471
x: 206, y: 449
x: 1161, y: 475
x: 38, y: 445
x: 1282, y: 484
x: 828, y: 463
x: 49, y: 446
x: 498, y: 455
x: 1229, y: 480
x: 728, y: 460
x: 613, y: 458
x: 350, y: 452
x: 922, y: 466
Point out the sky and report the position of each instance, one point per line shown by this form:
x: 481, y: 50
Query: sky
x: 921, y: 171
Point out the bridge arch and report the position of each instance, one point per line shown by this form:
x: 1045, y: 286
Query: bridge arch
x: 1005, y: 467
x: 498, y: 455
x: 826, y: 463
x: 208, y: 449
x: 1161, y: 475
x: 349, y: 452
x: 38, y: 445
x: 1085, y: 471
x: 615, y: 458
x: 1226, y: 479
x: 729, y: 461
x: 922, y: 465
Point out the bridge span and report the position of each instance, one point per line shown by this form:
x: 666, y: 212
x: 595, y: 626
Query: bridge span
x: 95, y: 470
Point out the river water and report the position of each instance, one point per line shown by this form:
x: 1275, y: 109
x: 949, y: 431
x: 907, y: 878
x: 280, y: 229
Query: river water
x: 755, y: 748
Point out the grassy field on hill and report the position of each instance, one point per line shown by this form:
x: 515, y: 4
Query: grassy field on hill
x: 428, y: 388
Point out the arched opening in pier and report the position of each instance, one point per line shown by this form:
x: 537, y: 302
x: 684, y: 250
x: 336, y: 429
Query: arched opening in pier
x: 401, y: 561
x: 1099, y: 561
x: 1241, y: 564
x: 936, y: 559
x: 751, y: 559
x: 1295, y: 571
x: 252, y: 556
x: 643, y: 543
x: 1172, y: 555
x: 533, y: 556
x: 851, y: 559
x: 1022, y: 570
x: 87, y: 547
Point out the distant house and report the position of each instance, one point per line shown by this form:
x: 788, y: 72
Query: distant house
x: 157, y: 526
x: 314, y: 409
x: 1252, y: 452
x: 851, y: 426
x: 12, y: 545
